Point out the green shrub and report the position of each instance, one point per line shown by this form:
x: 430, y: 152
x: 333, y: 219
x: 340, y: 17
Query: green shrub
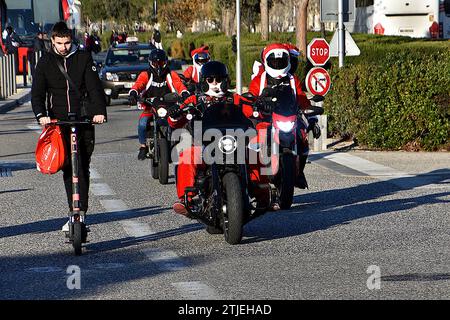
x: 393, y: 97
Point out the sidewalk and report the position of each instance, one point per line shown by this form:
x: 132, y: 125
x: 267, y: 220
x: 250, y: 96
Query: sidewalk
x: 23, y: 95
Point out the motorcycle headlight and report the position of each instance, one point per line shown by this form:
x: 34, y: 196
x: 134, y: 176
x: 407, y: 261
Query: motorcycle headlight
x: 285, y: 126
x: 112, y: 76
x: 227, y: 144
x: 162, y: 112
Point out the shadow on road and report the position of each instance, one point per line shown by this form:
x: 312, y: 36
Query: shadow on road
x: 92, y: 219
x: 101, y: 274
x: 325, y: 209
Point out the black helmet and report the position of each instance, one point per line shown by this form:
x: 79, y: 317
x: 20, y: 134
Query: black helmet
x: 158, y: 61
x: 214, y: 70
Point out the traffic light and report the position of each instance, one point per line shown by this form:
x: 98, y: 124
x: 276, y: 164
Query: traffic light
x: 233, y: 44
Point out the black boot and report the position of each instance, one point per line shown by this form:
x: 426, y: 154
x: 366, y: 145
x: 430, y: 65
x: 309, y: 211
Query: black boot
x: 142, y: 153
x: 301, y: 179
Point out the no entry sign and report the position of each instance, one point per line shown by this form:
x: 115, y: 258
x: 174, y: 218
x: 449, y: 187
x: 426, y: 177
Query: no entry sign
x: 318, y: 51
x: 318, y: 81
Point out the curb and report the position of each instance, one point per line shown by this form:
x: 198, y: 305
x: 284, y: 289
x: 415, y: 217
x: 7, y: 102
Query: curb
x: 12, y: 103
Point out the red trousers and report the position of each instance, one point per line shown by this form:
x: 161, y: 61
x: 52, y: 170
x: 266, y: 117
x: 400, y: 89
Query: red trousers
x: 191, y: 161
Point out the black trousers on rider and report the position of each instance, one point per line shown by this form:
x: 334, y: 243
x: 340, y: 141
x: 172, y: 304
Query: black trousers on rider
x: 86, y: 142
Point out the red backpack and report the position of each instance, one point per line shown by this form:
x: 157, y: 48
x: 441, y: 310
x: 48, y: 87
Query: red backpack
x: 50, y: 150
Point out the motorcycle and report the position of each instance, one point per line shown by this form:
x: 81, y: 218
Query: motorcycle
x: 158, y: 135
x: 224, y: 199
x: 279, y: 109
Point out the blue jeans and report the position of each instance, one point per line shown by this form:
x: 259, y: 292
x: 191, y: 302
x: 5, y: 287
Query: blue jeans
x: 142, y: 129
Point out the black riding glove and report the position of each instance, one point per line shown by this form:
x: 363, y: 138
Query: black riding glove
x: 133, y: 98
x: 175, y: 112
x: 314, y: 126
x: 185, y: 95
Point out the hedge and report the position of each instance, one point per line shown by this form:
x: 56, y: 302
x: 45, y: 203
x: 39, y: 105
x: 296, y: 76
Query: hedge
x: 394, y: 96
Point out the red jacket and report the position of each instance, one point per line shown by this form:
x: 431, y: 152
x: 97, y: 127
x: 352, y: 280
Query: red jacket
x: 260, y: 82
x: 192, y: 74
x: 173, y: 82
x: 145, y: 83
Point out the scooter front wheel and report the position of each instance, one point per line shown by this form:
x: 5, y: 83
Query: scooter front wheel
x: 77, y: 237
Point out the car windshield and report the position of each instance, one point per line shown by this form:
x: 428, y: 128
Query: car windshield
x: 127, y: 57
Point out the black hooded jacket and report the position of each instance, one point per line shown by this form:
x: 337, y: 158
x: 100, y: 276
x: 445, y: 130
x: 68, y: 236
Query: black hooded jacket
x: 51, y: 93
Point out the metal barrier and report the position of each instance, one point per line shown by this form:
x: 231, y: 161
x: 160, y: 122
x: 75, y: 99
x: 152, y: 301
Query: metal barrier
x: 7, y: 76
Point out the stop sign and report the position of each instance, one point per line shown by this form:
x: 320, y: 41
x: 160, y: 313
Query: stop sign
x: 318, y: 51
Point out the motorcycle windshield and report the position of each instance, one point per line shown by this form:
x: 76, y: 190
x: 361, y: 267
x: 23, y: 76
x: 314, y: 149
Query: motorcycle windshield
x: 224, y: 116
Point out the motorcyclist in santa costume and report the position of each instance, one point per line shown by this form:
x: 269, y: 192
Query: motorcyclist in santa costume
x: 276, y: 71
x: 214, y: 84
x: 157, y: 81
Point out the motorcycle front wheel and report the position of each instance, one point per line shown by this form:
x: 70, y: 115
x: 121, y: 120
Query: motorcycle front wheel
x: 286, y: 182
x: 163, y: 164
x: 233, y: 217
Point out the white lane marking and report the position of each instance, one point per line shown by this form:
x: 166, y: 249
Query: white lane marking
x: 131, y: 227
x: 368, y: 167
x: 93, y: 174
x: 101, y: 189
x: 114, y: 205
x: 195, y: 290
x: 399, y: 178
x: 35, y: 127
x: 164, y: 259
x: 136, y: 229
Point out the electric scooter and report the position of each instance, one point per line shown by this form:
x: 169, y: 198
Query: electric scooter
x: 77, y: 227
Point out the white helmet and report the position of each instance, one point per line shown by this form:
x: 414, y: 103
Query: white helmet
x: 277, y: 61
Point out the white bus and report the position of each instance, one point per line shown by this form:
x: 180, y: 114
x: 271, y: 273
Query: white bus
x: 413, y: 18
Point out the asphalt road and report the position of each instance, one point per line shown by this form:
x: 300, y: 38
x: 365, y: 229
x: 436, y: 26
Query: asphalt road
x: 371, y: 226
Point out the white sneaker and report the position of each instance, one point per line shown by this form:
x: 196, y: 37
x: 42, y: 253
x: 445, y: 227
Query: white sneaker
x: 65, y: 227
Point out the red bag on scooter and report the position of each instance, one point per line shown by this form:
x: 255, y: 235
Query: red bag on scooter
x: 50, y: 150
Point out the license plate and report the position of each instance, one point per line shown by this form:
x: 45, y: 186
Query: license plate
x: 128, y: 85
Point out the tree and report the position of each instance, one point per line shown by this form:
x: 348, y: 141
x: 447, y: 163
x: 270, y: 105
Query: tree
x: 264, y: 20
x: 121, y: 11
x: 179, y: 15
x: 94, y: 10
x: 302, y: 9
x: 225, y: 10
x: 250, y: 12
